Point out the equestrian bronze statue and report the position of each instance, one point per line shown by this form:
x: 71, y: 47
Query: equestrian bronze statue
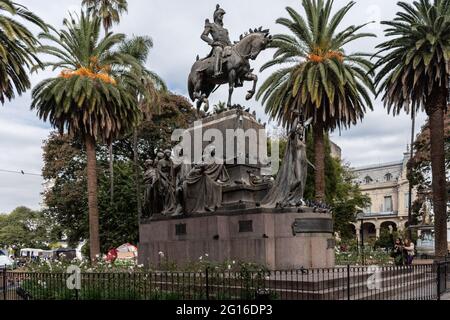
x: 227, y: 63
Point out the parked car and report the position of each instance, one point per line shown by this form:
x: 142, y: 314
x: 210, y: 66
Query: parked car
x: 5, y: 261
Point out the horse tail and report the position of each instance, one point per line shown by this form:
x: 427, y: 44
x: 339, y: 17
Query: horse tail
x: 191, y: 88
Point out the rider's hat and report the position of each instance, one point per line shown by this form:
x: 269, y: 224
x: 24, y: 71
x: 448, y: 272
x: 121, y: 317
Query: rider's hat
x: 218, y: 11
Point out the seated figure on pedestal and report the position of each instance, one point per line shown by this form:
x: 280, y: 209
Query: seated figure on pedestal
x: 203, y: 186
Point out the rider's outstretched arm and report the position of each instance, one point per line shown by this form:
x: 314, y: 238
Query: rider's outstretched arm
x: 205, y: 35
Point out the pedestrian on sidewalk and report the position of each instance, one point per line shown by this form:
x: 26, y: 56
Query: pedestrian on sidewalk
x: 410, y: 252
x: 398, y: 253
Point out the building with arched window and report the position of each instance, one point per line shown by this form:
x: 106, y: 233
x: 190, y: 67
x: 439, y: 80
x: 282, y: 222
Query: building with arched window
x: 387, y: 186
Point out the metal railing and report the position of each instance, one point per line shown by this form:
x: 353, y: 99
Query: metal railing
x: 419, y: 282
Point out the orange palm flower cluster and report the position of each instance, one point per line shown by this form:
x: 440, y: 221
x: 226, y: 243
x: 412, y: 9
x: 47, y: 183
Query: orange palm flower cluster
x: 93, y: 72
x: 320, y: 57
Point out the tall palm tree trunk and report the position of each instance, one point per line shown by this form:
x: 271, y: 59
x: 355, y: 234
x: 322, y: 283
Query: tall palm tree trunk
x: 111, y: 157
x: 319, y: 151
x: 435, y: 110
x: 111, y: 173
x: 137, y: 173
x: 94, y: 237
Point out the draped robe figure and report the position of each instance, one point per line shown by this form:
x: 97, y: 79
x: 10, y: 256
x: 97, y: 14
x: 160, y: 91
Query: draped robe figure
x: 202, y: 189
x: 182, y: 169
x: 166, y: 183
x: 151, y: 205
x: 289, y: 187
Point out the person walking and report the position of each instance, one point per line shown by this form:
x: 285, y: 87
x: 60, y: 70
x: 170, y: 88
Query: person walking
x: 410, y: 252
x: 398, y: 253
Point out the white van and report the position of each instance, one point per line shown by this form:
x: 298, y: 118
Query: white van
x: 31, y: 253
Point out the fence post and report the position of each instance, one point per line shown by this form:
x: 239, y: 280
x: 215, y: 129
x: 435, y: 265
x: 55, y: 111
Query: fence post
x: 4, y: 283
x: 348, y: 282
x: 446, y: 275
x: 207, y: 283
x: 438, y: 285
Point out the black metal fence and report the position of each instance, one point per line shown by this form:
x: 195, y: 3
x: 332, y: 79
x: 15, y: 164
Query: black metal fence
x: 419, y: 282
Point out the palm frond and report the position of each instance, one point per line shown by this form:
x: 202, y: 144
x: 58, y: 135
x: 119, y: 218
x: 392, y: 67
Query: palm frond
x: 317, y: 77
x: 17, y: 49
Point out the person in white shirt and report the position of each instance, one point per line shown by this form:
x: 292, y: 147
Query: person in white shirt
x: 410, y: 251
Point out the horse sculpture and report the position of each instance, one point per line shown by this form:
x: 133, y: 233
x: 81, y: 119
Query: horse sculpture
x: 236, y: 68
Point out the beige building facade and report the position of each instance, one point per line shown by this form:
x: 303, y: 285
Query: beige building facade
x: 388, y: 187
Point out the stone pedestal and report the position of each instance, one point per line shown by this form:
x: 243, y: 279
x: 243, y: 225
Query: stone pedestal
x: 279, y: 239
x: 240, y: 229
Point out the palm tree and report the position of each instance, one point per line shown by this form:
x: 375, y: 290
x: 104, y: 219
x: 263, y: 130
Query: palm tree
x: 87, y: 99
x: 413, y: 75
x: 318, y: 78
x: 17, y: 49
x: 139, y: 47
x: 109, y: 12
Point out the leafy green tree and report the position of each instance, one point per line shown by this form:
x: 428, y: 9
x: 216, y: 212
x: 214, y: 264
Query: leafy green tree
x: 341, y: 193
x: 87, y: 100
x: 149, y: 101
x: 318, y: 78
x: 109, y: 11
x: 413, y: 74
x: 25, y: 228
x: 421, y: 162
x: 386, y: 239
x: 17, y: 49
x: 65, y: 165
x: 65, y: 169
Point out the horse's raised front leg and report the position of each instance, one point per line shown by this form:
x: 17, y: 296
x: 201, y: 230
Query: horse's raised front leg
x: 254, y: 78
x: 231, y: 83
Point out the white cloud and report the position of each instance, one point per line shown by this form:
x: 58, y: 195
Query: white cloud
x: 175, y: 26
x: 20, y: 149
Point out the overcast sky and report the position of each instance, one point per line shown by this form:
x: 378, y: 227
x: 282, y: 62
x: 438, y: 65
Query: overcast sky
x: 176, y: 26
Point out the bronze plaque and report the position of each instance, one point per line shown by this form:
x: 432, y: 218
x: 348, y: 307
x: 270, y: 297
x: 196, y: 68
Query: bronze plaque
x: 312, y: 226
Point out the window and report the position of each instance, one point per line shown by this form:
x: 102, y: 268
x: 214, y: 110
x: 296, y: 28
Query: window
x: 388, y: 177
x: 388, y: 206
x: 368, y: 179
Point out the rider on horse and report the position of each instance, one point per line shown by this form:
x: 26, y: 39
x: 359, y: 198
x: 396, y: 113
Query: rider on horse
x: 228, y: 63
x: 220, y: 41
